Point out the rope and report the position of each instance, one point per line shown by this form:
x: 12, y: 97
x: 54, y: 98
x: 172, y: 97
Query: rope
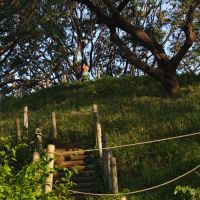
x: 139, y: 143
x: 141, y: 190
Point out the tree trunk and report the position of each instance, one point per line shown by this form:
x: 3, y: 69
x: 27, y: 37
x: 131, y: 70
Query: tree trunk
x: 170, y: 82
x: 172, y: 86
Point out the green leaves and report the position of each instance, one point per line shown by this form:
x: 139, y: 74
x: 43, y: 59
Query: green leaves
x: 187, y: 193
x: 28, y: 181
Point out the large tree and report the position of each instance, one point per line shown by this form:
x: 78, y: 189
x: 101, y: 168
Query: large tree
x: 44, y: 40
x: 174, y: 21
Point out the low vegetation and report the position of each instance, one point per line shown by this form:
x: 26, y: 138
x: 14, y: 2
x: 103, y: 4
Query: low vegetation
x: 131, y: 110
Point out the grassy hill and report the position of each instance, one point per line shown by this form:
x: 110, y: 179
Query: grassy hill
x: 131, y: 110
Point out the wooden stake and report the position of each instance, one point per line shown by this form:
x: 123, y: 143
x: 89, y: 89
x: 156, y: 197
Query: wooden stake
x: 36, y: 156
x: 50, y: 166
x: 26, y: 117
x: 26, y: 123
x: 114, y: 179
x: 105, y: 160
x: 54, y: 128
x: 109, y: 155
x: 38, y: 133
x: 99, y: 139
x: 95, y: 123
x: 18, y: 130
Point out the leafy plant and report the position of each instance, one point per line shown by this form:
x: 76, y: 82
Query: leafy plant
x: 187, y: 193
x: 28, y: 182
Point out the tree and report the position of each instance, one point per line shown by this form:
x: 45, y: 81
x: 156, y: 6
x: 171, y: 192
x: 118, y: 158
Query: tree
x: 114, y: 15
x: 56, y: 40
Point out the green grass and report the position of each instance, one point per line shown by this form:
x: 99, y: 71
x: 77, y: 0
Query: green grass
x: 131, y: 110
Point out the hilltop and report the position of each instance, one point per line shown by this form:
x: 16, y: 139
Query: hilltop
x: 131, y: 110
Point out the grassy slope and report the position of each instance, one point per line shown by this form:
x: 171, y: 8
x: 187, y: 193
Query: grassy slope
x: 131, y: 110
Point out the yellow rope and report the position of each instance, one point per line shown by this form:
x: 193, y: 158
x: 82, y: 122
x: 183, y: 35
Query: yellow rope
x: 139, y: 143
x: 138, y: 191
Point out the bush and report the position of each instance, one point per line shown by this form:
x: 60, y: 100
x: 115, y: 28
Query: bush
x: 28, y: 181
x: 187, y: 193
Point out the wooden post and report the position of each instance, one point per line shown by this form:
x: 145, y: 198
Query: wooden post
x: 50, y: 166
x: 26, y: 122
x: 54, y: 128
x: 114, y: 179
x: 36, y: 156
x: 105, y: 160
x: 18, y: 130
x: 95, y: 121
x: 109, y: 156
x: 38, y: 133
x: 26, y: 117
x: 122, y: 198
x: 99, y: 139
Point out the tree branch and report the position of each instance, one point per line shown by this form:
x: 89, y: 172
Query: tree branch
x: 132, y: 58
x: 116, y: 20
x: 122, y: 5
x: 190, y: 34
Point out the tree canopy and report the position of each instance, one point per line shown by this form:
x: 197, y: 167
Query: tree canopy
x: 44, y: 41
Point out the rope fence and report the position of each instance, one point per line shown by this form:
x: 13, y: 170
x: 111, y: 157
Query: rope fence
x: 141, y: 190
x: 105, y: 154
x: 139, y: 143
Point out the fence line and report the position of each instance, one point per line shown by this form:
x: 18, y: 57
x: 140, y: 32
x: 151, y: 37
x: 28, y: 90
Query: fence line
x: 141, y: 190
x: 140, y: 143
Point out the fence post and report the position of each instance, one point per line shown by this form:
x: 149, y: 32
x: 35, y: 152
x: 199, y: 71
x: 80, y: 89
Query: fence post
x: 36, y: 156
x: 105, y: 160
x: 18, y: 130
x: 50, y: 166
x: 114, y: 179
x: 109, y: 155
x: 95, y: 122
x: 26, y: 122
x: 99, y: 139
x: 54, y: 128
x: 38, y: 133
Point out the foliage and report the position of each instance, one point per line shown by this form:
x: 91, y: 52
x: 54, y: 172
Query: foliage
x: 28, y: 182
x: 187, y: 193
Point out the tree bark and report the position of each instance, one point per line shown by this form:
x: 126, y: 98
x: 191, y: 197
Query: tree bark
x: 171, y: 84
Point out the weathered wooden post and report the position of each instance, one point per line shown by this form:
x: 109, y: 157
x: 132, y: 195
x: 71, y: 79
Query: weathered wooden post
x: 26, y: 122
x: 95, y: 122
x: 26, y: 117
x: 38, y: 133
x: 105, y: 160
x: 36, y: 156
x: 54, y: 128
x: 18, y: 130
x: 109, y: 156
x: 50, y: 166
x: 99, y: 139
x: 114, y: 179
